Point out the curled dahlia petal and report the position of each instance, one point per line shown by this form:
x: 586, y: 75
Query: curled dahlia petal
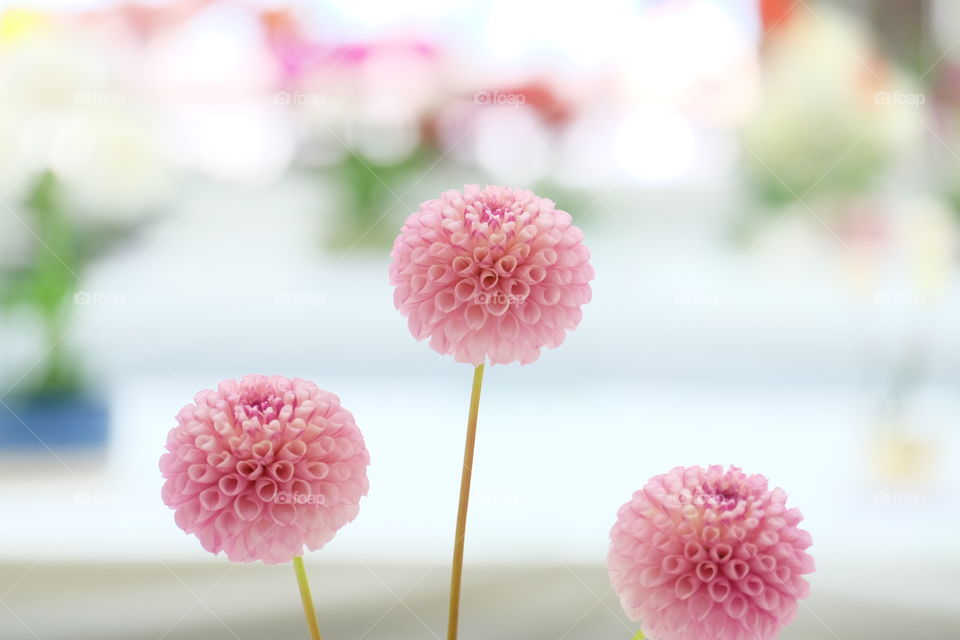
x: 491, y: 274
x: 263, y: 467
x: 707, y: 553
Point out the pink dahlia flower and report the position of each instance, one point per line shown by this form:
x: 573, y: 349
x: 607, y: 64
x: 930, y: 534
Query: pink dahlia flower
x: 490, y: 274
x: 707, y: 553
x: 264, y: 466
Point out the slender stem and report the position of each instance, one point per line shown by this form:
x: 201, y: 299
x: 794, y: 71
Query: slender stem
x: 307, y: 599
x: 457, y: 576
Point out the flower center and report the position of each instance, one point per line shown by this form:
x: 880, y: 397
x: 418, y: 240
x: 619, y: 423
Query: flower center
x: 260, y: 405
x: 720, y: 498
x: 492, y: 215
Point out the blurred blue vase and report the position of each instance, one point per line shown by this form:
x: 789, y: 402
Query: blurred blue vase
x: 54, y: 422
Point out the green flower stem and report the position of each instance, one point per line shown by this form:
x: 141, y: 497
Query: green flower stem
x: 307, y: 599
x: 456, y: 577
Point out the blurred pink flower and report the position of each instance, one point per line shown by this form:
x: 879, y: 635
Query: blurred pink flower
x: 263, y: 466
x: 707, y: 553
x: 490, y: 274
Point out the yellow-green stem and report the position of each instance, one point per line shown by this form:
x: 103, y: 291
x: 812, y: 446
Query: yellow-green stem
x: 456, y: 577
x: 307, y: 599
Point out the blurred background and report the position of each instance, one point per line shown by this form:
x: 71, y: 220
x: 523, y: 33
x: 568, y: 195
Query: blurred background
x: 199, y: 189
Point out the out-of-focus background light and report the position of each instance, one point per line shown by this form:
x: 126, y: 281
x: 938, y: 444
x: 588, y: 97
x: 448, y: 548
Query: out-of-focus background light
x: 197, y: 189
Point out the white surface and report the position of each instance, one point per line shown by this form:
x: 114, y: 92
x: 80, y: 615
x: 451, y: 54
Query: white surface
x: 554, y: 461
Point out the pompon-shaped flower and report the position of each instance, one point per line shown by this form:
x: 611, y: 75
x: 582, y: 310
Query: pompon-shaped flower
x: 264, y: 466
x: 707, y: 553
x: 491, y: 274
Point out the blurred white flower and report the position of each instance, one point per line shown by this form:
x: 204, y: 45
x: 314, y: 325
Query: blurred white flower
x: 656, y: 144
x: 585, y: 160
x: 694, y: 55
x: 245, y: 141
x: 212, y: 77
x: 824, y: 124
x: 218, y: 54
x: 512, y: 144
x: 40, y: 75
x: 111, y: 164
x: 66, y: 109
x: 47, y: 70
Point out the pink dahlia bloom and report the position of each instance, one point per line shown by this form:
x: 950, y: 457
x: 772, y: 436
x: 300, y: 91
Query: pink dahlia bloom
x: 707, y: 553
x: 264, y: 466
x: 490, y: 274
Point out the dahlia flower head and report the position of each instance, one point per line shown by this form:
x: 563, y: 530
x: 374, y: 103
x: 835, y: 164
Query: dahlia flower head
x: 490, y: 274
x: 707, y: 553
x: 263, y: 467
